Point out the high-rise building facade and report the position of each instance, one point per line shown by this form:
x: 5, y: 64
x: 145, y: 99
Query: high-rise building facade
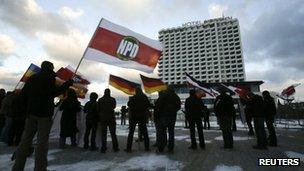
x: 210, y: 52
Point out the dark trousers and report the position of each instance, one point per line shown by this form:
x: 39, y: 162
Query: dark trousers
x: 272, y: 138
x: 199, y: 127
x: 5, y: 130
x: 104, y: 130
x: 233, y: 123
x: 123, y: 120
x: 186, y: 123
x: 91, y: 127
x: 15, y: 132
x: 142, y: 128
x: 248, y: 121
x: 260, y: 131
x: 164, y: 125
x: 41, y: 125
x: 226, y: 128
x: 2, y: 123
x: 206, y: 122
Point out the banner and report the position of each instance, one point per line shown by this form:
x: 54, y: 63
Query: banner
x: 152, y: 85
x: 242, y: 93
x: 116, y: 45
x: 123, y: 85
x: 80, y: 83
x: 196, y: 83
x: 32, y: 69
x: 289, y: 90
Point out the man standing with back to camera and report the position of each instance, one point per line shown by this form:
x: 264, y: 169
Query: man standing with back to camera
x: 138, y: 107
x: 38, y: 93
x: 224, y: 110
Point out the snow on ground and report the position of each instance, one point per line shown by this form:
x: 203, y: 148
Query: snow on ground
x: 6, y: 163
x: 292, y: 154
x: 143, y: 162
x: 188, y: 139
x: 235, y: 138
x: 150, y: 162
x: 228, y: 168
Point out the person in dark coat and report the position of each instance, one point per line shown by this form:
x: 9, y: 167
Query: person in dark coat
x: 270, y: 111
x: 106, y: 106
x: 224, y: 110
x: 167, y: 106
x: 92, y: 117
x: 68, y: 123
x: 18, y: 117
x: 138, y: 106
x: 256, y: 104
x: 194, y: 111
x: 2, y: 115
x: 123, y: 116
x: 248, y: 115
x: 206, y: 117
x: 38, y: 94
x: 7, y: 110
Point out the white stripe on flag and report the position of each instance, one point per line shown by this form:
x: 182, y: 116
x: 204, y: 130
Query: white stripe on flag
x: 96, y: 55
x: 127, y: 32
x: 192, y: 82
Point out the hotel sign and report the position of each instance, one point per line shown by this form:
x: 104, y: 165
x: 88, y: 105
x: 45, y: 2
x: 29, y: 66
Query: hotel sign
x: 192, y: 23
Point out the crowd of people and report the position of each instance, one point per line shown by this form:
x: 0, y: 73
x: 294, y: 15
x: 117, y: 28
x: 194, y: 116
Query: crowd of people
x: 30, y: 111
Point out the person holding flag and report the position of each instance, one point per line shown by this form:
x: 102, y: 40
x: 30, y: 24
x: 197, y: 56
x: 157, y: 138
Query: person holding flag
x: 38, y: 92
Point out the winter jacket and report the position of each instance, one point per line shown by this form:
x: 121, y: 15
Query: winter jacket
x: 106, y: 106
x: 269, y: 106
x: 91, y: 108
x: 167, y: 105
x: 138, y: 107
x: 68, y: 122
x: 256, y: 106
x: 39, y: 92
x: 6, y: 107
x: 194, y: 107
x: 224, y: 106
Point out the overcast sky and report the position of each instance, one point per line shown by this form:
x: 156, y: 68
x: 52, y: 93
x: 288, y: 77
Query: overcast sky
x: 32, y: 31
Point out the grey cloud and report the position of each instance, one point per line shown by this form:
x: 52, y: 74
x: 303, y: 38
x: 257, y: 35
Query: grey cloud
x: 9, y: 80
x: 279, y: 34
x: 28, y: 17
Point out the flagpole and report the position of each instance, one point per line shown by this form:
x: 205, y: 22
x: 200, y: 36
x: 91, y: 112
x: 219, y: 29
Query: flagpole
x: 87, y: 48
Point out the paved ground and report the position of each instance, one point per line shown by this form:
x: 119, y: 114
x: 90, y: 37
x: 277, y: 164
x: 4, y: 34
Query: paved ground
x: 242, y: 157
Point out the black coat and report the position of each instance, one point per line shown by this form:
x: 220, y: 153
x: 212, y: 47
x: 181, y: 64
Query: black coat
x: 224, y: 106
x: 91, y: 109
x: 138, y: 107
x: 194, y: 108
x: 39, y: 92
x: 106, y: 106
x: 68, y: 122
x: 256, y: 106
x: 167, y: 105
x: 269, y: 106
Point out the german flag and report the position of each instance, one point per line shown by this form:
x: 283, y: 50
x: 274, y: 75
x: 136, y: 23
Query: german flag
x: 123, y: 85
x: 152, y: 85
x: 32, y: 69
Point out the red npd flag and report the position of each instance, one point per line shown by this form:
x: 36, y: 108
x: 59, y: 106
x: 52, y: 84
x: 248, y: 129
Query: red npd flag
x: 116, y: 45
x: 289, y: 90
